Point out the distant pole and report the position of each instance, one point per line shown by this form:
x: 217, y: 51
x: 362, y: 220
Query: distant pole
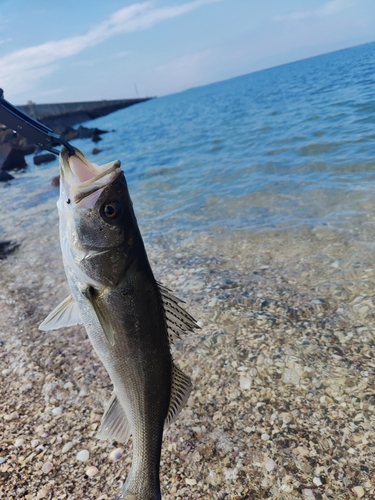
x: 136, y: 90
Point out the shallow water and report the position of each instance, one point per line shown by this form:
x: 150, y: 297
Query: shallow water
x: 255, y: 199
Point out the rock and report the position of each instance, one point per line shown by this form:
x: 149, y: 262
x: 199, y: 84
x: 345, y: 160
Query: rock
x: 11, y: 416
x: 7, y: 136
x: 92, y: 471
x: 96, y: 137
x: 308, y: 494
x: 116, y: 454
x: 7, y: 247
x: 245, y: 383
x: 359, y: 491
x: 67, y: 446
x: 87, y: 133
x: 84, y: 132
x: 44, y: 158
x: 270, y: 464
x: 304, y: 452
x: 291, y: 376
x: 83, y: 455
x: 26, y: 387
x: 56, y: 181
x: 42, y: 493
x: 190, y: 481
x: 11, y: 157
x: 47, y: 467
x: 4, y: 176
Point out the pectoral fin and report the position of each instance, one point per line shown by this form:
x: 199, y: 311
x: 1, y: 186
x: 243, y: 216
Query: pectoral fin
x: 115, y: 424
x: 180, y: 391
x: 65, y: 314
x: 103, y: 320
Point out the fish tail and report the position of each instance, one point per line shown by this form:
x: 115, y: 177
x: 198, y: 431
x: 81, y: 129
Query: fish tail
x: 137, y: 496
x: 136, y: 488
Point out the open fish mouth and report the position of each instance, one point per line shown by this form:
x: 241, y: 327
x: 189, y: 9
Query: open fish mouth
x: 83, y: 181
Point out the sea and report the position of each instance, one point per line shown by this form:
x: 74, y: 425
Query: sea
x: 286, y: 147
x: 255, y: 199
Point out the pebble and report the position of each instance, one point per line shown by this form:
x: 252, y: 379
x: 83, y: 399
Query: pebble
x: 245, y: 383
x: 304, y: 452
x: 116, y: 454
x: 19, y: 442
x: 57, y: 410
x: 47, y: 467
x: 2, y: 460
x: 83, y: 455
x: 42, y: 493
x: 26, y: 387
x: 83, y: 391
x: 67, y: 446
x: 359, y: 491
x: 6, y: 371
x: 228, y: 474
x: 291, y: 376
x: 11, y: 416
x: 91, y: 471
x: 265, y: 437
x: 270, y: 464
x: 308, y: 494
x: 190, y: 482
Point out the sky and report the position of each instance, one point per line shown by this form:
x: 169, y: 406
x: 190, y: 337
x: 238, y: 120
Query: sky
x: 90, y: 50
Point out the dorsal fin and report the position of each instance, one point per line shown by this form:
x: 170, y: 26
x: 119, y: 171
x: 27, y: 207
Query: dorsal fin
x: 115, y: 424
x: 65, y: 314
x: 180, y: 391
x: 178, y: 320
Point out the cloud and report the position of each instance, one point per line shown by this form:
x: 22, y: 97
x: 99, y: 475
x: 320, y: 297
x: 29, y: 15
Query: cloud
x: 22, y: 68
x: 328, y: 9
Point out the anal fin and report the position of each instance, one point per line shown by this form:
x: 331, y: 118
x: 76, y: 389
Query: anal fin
x: 180, y: 392
x: 65, y: 314
x: 115, y: 424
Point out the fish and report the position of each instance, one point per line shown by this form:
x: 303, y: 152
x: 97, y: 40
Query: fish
x: 131, y: 319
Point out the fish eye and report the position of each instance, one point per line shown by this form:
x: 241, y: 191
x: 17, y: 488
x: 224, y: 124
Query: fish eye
x: 111, y: 210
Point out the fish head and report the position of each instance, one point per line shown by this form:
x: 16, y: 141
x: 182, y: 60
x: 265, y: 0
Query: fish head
x: 95, y: 214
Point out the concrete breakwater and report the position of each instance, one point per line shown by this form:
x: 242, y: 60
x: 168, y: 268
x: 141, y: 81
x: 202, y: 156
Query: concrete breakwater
x: 60, y: 117
x: 71, y: 113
